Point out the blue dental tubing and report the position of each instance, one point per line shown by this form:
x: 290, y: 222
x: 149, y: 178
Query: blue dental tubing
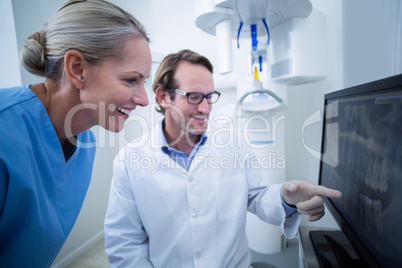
x: 253, y: 28
x: 260, y: 62
x: 267, y: 29
x: 238, y: 34
x: 253, y: 33
x: 254, y: 41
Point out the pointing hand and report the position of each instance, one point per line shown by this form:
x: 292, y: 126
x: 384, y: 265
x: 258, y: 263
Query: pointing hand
x: 307, y: 197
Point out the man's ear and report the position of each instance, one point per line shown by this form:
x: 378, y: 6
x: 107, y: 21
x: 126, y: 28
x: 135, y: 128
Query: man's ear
x: 74, y: 66
x: 163, y: 97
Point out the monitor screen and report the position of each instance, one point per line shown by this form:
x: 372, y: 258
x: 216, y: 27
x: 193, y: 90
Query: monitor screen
x: 361, y: 156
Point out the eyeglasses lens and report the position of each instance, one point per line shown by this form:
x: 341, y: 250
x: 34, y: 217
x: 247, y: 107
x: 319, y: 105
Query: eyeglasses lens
x: 197, y: 98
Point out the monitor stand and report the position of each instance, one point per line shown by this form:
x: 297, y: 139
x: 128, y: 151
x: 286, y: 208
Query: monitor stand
x: 334, y: 250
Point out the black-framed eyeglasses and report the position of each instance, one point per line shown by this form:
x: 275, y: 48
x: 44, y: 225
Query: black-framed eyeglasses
x: 197, y: 98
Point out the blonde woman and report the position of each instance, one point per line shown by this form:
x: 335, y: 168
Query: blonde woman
x: 95, y: 57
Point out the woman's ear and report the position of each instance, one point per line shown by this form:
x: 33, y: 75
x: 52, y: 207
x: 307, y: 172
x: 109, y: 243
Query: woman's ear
x: 162, y: 96
x: 74, y: 66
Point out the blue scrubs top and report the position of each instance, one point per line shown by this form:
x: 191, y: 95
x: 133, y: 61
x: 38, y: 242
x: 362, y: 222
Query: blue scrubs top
x: 40, y: 193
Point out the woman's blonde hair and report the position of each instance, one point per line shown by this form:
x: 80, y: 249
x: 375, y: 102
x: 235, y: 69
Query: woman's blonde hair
x: 96, y: 28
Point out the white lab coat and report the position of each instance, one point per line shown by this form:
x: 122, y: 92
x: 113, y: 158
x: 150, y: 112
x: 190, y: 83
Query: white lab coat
x: 160, y: 215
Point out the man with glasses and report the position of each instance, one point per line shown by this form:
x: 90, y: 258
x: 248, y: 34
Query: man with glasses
x: 182, y: 201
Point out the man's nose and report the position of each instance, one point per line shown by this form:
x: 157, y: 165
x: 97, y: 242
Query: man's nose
x: 204, y: 106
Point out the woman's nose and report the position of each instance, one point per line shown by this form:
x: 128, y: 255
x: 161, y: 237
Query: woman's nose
x: 140, y: 97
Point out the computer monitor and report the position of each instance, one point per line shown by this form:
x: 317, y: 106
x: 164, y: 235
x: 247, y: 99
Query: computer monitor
x: 361, y: 156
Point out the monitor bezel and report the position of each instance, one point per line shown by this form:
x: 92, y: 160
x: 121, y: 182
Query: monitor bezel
x: 367, y: 252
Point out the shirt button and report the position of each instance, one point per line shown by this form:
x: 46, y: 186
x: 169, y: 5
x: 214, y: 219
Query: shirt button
x: 194, y: 215
x: 197, y: 255
x: 190, y: 178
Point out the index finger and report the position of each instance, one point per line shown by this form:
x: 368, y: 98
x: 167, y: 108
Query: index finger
x: 328, y: 192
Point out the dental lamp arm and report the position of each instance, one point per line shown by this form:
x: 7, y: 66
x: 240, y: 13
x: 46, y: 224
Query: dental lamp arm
x: 261, y: 91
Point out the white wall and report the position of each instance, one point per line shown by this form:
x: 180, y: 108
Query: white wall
x: 29, y: 17
x: 171, y: 27
x: 9, y: 67
x: 372, y: 40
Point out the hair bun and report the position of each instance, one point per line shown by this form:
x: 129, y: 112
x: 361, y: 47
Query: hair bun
x: 33, y: 54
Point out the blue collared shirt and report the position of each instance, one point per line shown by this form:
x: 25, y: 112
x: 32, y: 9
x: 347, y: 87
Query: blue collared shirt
x: 179, y: 157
